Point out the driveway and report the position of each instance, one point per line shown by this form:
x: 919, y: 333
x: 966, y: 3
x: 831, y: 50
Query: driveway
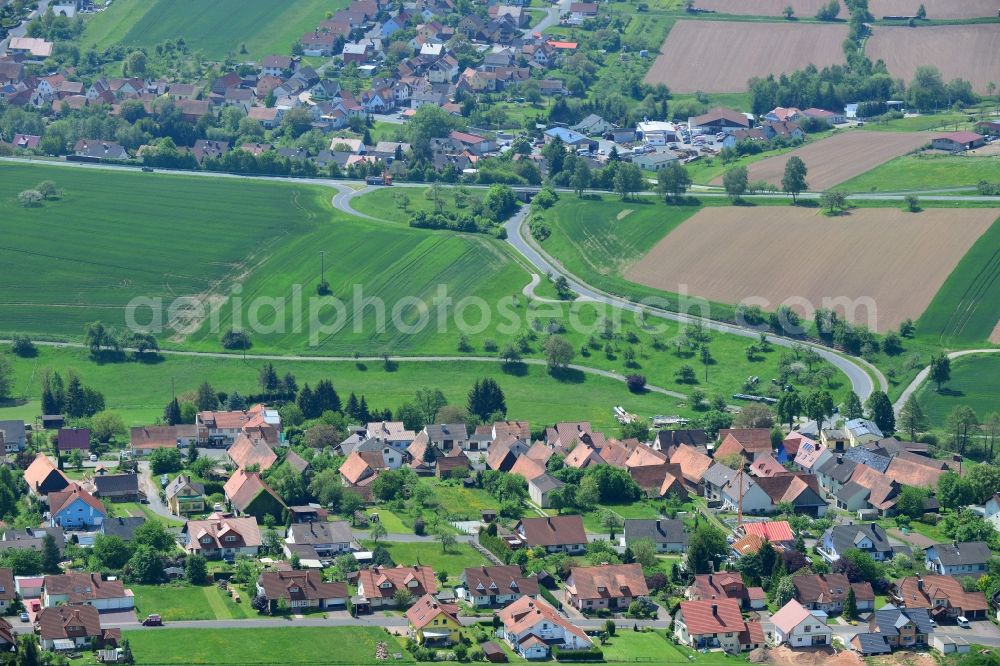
x: 152, y: 489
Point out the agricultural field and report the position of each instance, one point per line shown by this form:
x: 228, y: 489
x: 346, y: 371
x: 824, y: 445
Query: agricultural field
x: 263, y: 645
x: 839, y: 157
x: 975, y: 383
x: 889, y: 262
x: 925, y: 172
x: 139, y: 391
x: 803, y: 8
x: 971, y: 52
x: 964, y: 310
x: 213, y: 28
x: 699, y: 55
x: 936, y: 9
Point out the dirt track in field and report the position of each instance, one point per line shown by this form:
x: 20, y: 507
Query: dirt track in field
x: 971, y: 52
x: 838, y: 158
x: 720, y: 56
x: 936, y: 9
x: 884, y: 265
x: 803, y: 8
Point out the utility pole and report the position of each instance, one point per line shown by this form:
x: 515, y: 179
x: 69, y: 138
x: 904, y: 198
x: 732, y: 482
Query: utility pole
x: 322, y: 266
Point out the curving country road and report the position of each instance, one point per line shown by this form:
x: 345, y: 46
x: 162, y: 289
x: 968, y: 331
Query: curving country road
x: 922, y: 376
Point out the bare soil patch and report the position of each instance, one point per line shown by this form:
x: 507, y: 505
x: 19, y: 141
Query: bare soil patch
x: 936, y: 9
x: 785, y: 656
x: 876, y: 266
x: 971, y: 52
x: 802, y: 8
x: 995, y: 335
x: 623, y: 214
x: 720, y: 56
x: 840, y: 157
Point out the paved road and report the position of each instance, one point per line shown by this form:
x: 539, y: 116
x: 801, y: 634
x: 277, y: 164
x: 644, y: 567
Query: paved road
x: 922, y: 376
x: 552, y: 15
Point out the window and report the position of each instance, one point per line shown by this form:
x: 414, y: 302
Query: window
x: 230, y: 538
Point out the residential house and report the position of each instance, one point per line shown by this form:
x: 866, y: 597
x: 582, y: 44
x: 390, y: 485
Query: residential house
x: 573, y: 140
x: 277, y: 65
x: 69, y: 627
x: 828, y: 592
x: 456, y: 466
x: 146, y: 439
x: 248, y: 495
x: 393, y: 433
x: 780, y: 114
x: 862, y: 431
x: 766, y: 465
x: 583, y: 456
x: 553, y: 533
x: 716, y: 623
x: 95, y: 151
x: 249, y: 452
x: 528, y: 468
x: 715, y: 480
x: 221, y: 537
x: 269, y: 118
x: 592, y: 125
x: 75, y: 509
x: 942, y: 596
x: 392, y: 458
x: 745, y: 493
x: 448, y: 436
x: 86, y: 588
x: 185, y: 496
x: 811, y: 455
x: 581, y: 10
x: 540, y: 489
x: 958, y: 559
x: 31, y: 538
x: 475, y: 144
x: 563, y: 436
x: 693, y: 466
x: 314, y: 540
x: 835, y: 472
x: 118, y: 487
x: 13, y: 436
x: 25, y: 141
x: 301, y: 589
x: 867, y: 537
x: 668, y: 536
x: 43, y: 477
x: 609, y: 586
x: 496, y: 586
x: 958, y: 141
x: 432, y: 623
x: 220, y: 428
x: 377, y: 586
x: 799, y: 626
x: 748, y: 442
x: 182, y: 91
x: 359, y: 52
x: 659, y: 480
x: 122, y: 527
x: 532, y: 627
x: 361, y: 469
x: 73, y: 439
x: 891, y: 627
x: 29, y: 49
x: 992, y: 510
x: 726, y: 585
x: 8, y: 589
x: 206, y: 148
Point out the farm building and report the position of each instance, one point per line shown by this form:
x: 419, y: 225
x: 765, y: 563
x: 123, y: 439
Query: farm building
x: 720, y: 120
x: 655, y: 161
x: 958, y: 141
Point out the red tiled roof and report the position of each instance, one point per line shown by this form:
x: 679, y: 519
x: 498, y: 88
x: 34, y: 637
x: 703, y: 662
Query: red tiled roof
x: 774, y: 531
x: 712, y: 616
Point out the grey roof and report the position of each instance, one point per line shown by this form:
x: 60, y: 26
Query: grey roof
x: 873, y: 644
x: 122, y: 527
x: 175, y: 486
x: 447, y: 431
x: 117, y: 483
x: 545, y: 483
x: 372, y: 444
x: 844, y: 537
x: 660, y: 531
x: 850, y: 490
x: 838, y: 469
x: 12, y: 430
x: 868, y: 457
x: 319, y: 533
x: 718, y: 475
x: 970, y: 552
x: 889, y: 619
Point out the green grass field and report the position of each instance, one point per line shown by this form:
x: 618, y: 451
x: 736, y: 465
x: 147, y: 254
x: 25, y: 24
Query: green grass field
x: 387, y: 203
x: 187, y: 602
x: 925, y: 172
x: 975, y: 383
x: 139, y: 391
x: 214, y: 28
x: 459, y: 556
x: 963, y: 311
x: 940, y: 121
x: 275, y: 645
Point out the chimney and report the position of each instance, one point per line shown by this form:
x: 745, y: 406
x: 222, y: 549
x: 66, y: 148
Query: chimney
x: 715, y: 610
x: 920, y: 584
x: 658, y: 528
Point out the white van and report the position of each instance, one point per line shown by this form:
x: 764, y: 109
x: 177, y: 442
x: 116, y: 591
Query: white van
x: 962, y: 621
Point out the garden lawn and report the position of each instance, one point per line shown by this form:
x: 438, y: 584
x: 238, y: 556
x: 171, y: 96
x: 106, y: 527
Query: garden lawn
x: 139, y: 391
x: 629, y: 646
x: 942, y: 121
x: 214, y: 28
x: 459, y: 556
x: 925, y: 172
x: 175, y: 602
x: 975, y: 383
x: 283, y: 645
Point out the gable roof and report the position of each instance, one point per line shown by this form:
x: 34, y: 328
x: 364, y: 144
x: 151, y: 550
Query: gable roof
x: 122, y: 527
x: 799, y: 488
x: 845, y: 537
x: 658, y: 530
x: 40, y: 469
x: 545, y: 483
x: 744, y: 440
x: 63, y: 499
x: 830, y: 588
x: 608, y: 581
x: 651, y: 478
x: 921, y: 592
x: 73, y: 438
x: 59, y: 622
x: 426, y: 609
x: 300, y: 586
x: 116, y: 483
x: 529, y: 468
x: 693, y: 464
x: 712, y: 616
x: 969, y: 552
x: 246, y: 452
x: 400, y: 577
x: 83, y: 587
x: 583, y: 456
x: 523, y: 614
x: 336, y: 531
x: 774, y: 531
x: 498, y: 580
x: 720, y: 113
x: 908, y: 472
x: 243, y: 487
x: 216, y: 527
x: 789, y: 616
x: 181, y: 482
x: 713, y: 586
x: 889, y: 619
x: 552, y: 531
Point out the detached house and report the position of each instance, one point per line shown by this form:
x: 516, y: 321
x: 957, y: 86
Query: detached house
x: 73, y: 439
x: 532, y: 627
x: 315, y: 540
x: 610, y: 586
x: 799, y: 626
x: 726, y: 585
x: 12, y: 436
x: 667, y: 535
x: 185, y: 496
x: 942, y: 596
x: 248, y: 495
x: 554, y: 534
x: 713, y: 624
x: 958, y: 559
x: 377, y: 586
x: 828, y: 592
x: 86, y: 588
x: 869, y: 538
x: 431, y: 622
x: 301, y: 589
x: 485, y: 587
x: 71, y: 627
x: 448, y: 436
x: 890, y: 627
x: 748, y: 442
x: 75, y: 509
x: 43, y: 477
x: 223, y: 538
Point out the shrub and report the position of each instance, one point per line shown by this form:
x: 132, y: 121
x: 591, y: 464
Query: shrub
x: 235, y: 339
x: 30, y: 198
x: 23, y: 346
x: 636, y: 383
x: 593, y: 653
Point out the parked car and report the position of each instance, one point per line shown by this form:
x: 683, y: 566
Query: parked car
x: 152, y: 620
x: 962, y: 621
x: 93, y: 457
x: 24, y: 617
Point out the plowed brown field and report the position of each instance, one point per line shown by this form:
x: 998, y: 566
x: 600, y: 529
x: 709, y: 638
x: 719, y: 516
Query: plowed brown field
x: 840, y: 157
x: 720, y: 56
x: 876, y: 266
x: 971, y: 52
x: 802, y: 8
x: 936, y: 9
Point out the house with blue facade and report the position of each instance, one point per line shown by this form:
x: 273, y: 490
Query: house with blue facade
x: 75, y: 509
